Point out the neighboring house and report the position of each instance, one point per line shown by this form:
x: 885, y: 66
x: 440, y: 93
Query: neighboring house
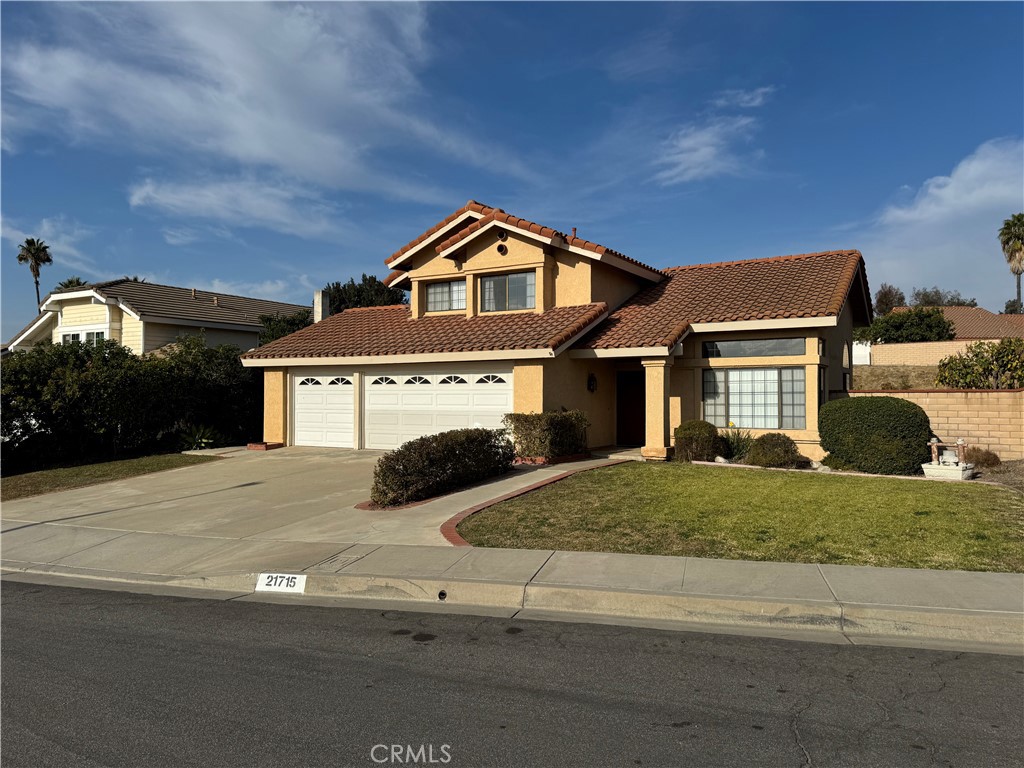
x: 146, y: 316
x: 970, y: 325
x: 507, y: 315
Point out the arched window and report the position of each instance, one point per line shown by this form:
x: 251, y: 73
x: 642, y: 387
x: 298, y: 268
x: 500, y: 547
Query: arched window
x: 384, y: 380
x: 453, y: 380
x: 339, y: 380
x: 490, y: 378
x: 846, y: 355
x: 417, y: 380
x: 310, y: 382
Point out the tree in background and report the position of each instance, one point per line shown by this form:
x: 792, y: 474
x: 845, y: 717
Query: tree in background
x: 1011, y: 238
x: 277, y: 325
x: 887, y: 298
x: 915, y: 324
x: 72, y: 282
x: 36, y: 254
x: 936, y: 297
x: 1013, y: 307
x: 985, y: 365
x: 369, y: 292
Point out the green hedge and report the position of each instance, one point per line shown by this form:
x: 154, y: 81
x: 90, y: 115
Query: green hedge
x: 985, y: 365
x: 437, y: 464
x: 548, y: 435
x: 774, y: 449
x: 883, y: 435
x: 698, y: 440
x: 72, y: 403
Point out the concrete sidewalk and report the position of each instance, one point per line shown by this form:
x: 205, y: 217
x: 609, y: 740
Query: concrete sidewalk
x: 939, y: 609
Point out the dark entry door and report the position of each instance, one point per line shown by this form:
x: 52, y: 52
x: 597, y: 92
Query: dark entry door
x: 630, y: 407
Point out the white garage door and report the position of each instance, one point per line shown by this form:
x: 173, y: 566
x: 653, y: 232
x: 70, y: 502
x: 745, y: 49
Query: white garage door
x: 405, y: 404
x: 324, y: 411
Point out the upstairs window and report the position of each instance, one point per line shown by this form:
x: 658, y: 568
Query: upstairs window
x: 444, y: 296
x: 505, y: 292
x: 89, y: 337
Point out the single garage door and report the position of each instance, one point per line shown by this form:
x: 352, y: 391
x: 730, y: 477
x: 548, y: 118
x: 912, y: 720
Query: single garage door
x: 405, y: 404
x: 324, y: 411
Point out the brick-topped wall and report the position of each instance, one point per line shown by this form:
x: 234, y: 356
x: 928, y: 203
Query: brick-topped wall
x: 992, y: 419
x: 918, y: 353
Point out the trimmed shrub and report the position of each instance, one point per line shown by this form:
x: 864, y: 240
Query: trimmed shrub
x: 882, y: 435
x: 774, y: 449
x: 437, y: 464
x: 548, y: 435
x: 697, y: 440
x: 982, y: 458
x: 736, y: 443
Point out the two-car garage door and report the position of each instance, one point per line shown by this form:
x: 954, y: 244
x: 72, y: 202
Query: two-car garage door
x: 398, y: 404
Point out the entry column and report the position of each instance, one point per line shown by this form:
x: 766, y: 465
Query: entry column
x: 657, y: 442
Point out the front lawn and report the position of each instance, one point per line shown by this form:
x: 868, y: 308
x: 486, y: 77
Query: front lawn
x: 747, y: 514
x: 65, y: 478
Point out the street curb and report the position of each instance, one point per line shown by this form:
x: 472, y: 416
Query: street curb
x: 448, y: 527
x: 978, y: 630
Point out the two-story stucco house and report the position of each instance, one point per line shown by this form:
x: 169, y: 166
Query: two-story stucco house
x: 507, y: 315
x: 147, y: 316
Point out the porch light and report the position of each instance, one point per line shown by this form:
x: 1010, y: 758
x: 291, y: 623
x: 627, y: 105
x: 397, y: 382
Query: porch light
x: 592, y: 382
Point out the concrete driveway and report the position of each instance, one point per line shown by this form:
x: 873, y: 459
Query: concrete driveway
x: 291, y: 494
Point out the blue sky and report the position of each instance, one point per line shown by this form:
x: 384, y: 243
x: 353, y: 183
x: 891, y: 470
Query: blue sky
x: 268, y: 149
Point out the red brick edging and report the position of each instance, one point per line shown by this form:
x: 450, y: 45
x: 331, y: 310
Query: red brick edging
x: 264, y: 446
x: 448, y: 527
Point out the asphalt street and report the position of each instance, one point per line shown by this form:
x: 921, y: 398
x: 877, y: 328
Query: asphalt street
x: 94, y: 678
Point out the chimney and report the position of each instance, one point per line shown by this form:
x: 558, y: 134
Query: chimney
x: 321, y: 306
x: 216, y: 303
x: 574, y: 231
x: 193, y: 293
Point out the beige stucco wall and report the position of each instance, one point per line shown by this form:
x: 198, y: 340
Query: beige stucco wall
x: 613, y: 286
x: 920, y: 353
x: 161, y: 334
x: 275, y: 405
x: 992, y: 419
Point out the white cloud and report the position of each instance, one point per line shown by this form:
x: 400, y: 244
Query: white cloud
x: 276, y: 290
x: 755, y: 97
x: 651, y: 54
x: 704, y: 150
x: 282, y: 206
x: 312, y: 93
x: 946, y: 234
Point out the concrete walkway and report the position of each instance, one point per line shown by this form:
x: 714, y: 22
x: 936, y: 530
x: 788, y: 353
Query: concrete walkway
x: 167, y: 540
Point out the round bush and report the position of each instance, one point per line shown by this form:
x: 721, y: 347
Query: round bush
x: 883, y: 435
x: 774, y: 450
x: 697, y: 440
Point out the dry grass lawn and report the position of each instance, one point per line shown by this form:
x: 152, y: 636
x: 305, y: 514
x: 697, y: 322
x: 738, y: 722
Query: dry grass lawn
x: 749, y: 514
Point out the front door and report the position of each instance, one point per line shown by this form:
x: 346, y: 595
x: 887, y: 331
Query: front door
x: 630, y: 408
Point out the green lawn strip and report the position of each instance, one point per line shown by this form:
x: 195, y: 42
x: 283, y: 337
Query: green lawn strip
x: 65, y: 478
x: 682, y: 509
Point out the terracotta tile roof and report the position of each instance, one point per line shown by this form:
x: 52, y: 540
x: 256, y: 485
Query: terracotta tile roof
x: 394, y: 276
x: 979, y: 323
x: 804, y: 285
x: 516, y: 222
x: 472, y: 205
x: 384, y: 331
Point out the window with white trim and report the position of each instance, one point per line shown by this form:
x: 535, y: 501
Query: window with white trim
x: 445, y: 296
x: 88, y: 337
x: 310, y: 382
x: 504, y: 292
x: 453, y: 380
x: 384, y: 380
x: 339, y: 381
x: 417, y: 380
x: 490, y: 378
x: 755, y: 398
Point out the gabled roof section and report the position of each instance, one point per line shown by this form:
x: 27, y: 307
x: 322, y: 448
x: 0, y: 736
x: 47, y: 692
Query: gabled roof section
x: 466, y: 214
x: 560, y: 239
x: 152, y: 300
x: 386, y: 332
x: 811, y: 285
x: 34, y: 328
x: 978, y: 323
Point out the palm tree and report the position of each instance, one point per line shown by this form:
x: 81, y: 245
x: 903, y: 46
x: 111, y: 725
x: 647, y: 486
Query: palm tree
x: 1011, y: 237
x: 35, y: 253
x: 72, y: 282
